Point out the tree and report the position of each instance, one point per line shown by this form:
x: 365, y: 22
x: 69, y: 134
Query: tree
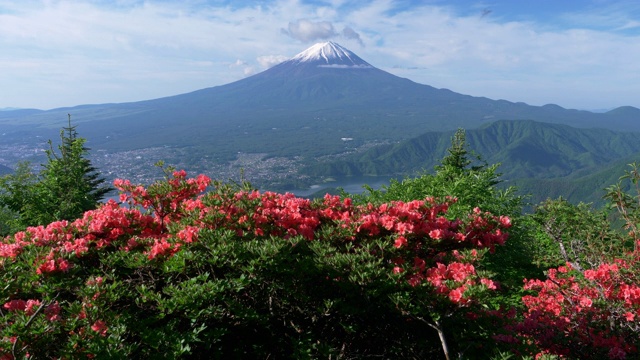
x: 66, y: 187
x: 457, y: 158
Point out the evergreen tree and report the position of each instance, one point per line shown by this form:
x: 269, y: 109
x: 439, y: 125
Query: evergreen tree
x: 67, y: 185
x: 459, y: 159
x: 457, y: 152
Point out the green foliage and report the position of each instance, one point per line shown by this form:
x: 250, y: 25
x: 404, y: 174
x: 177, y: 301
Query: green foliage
x: 584, y: 236
x: 575, y: 234
x: 66, y: 186
x: 627, y: 203
x: 457, y: 160
x: 17, y: 198
x: 471, y: 181
x: 8, y: 221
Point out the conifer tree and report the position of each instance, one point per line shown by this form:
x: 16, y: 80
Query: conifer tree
x: 67, y: 185
x: 69, y: 177
x: 459, y: 159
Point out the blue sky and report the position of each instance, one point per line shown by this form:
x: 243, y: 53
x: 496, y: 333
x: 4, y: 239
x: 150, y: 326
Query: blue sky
x: 577, y: 54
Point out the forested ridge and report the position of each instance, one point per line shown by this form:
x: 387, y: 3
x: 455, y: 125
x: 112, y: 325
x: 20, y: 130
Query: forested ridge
x: 544, y: 160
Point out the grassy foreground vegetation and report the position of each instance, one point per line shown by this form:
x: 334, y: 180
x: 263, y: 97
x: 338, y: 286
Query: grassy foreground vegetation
x: 431, y: 267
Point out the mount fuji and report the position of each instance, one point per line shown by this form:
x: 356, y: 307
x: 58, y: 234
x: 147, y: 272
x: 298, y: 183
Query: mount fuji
x: 306, y: 106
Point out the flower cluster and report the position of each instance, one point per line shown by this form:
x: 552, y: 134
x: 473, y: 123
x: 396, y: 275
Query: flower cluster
x: 581, y: 314
x: 454, y: 279
x: 29, y: 308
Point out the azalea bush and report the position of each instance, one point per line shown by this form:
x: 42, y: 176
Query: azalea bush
x: 581, y: 315
x: 172, y: 271
x: 588, y: 308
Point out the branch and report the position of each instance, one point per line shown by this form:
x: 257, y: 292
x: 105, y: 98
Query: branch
x: 26, y: 326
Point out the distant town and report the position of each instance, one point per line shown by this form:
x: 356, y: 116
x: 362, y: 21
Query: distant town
x: 261, y: 170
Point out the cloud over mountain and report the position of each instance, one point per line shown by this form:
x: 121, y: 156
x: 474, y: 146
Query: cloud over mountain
x: 351, y: 34
x: 267, y: 61
x: 305, y: 30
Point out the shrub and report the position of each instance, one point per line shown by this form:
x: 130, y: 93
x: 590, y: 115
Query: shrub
x: 174, y: 272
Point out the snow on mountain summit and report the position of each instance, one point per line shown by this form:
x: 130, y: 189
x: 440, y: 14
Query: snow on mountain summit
x: 330, y: 54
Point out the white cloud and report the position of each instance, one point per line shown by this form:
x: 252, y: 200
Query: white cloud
x: 349, y: 33
x: 631, y: 24
x: 336, y: 66
x: 268, y: 61
x: 305, y: 30
x: 518, y: 61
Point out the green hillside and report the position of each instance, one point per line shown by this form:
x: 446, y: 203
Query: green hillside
x: 547, y: 160
x: 589, y: 188
x: 524, y: 148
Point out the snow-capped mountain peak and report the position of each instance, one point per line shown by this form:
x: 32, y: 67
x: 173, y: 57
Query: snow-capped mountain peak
x: 330, y: 54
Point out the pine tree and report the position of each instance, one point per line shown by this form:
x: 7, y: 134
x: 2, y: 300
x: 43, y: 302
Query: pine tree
x: 69, y: 178
x: 457, y: 158
x: 67, y: 185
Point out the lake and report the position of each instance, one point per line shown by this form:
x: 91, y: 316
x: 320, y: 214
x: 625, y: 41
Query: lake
x: 350, y: 184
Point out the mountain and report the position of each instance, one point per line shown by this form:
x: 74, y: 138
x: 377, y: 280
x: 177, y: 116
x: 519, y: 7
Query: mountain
x: 323, y: 101
x: 329, y: 55
x: 589, y: 188
x: 525, y: 148
x: 543, y: 159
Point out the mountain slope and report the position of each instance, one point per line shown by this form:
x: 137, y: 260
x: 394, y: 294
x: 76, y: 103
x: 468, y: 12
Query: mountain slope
x: 526, y: 149
x: 589, y: 188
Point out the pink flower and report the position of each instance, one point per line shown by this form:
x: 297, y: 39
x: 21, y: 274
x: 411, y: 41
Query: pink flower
x: 400, y: 242
x: 47, y: 267
x: 10, y: 250
x: 15, y: 305
x: 95, y: 281
x: 436, y: 234
x: 189, y: 234
x: 456, y: 294
x: 488, y: 283
x: 52, y: 311
x: 505, y: 221
x: 162, y: 248
x: 63, y: 265
x: 629, y: 316
x: 585, y: 302
x: 31, y: 306
x: 100, y: 327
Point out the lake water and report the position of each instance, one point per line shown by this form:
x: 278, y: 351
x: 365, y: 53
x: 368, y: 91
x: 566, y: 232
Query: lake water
x: 350, y: 184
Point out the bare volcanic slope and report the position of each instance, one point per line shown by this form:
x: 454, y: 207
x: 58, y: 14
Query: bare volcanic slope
x: 303, y: 106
